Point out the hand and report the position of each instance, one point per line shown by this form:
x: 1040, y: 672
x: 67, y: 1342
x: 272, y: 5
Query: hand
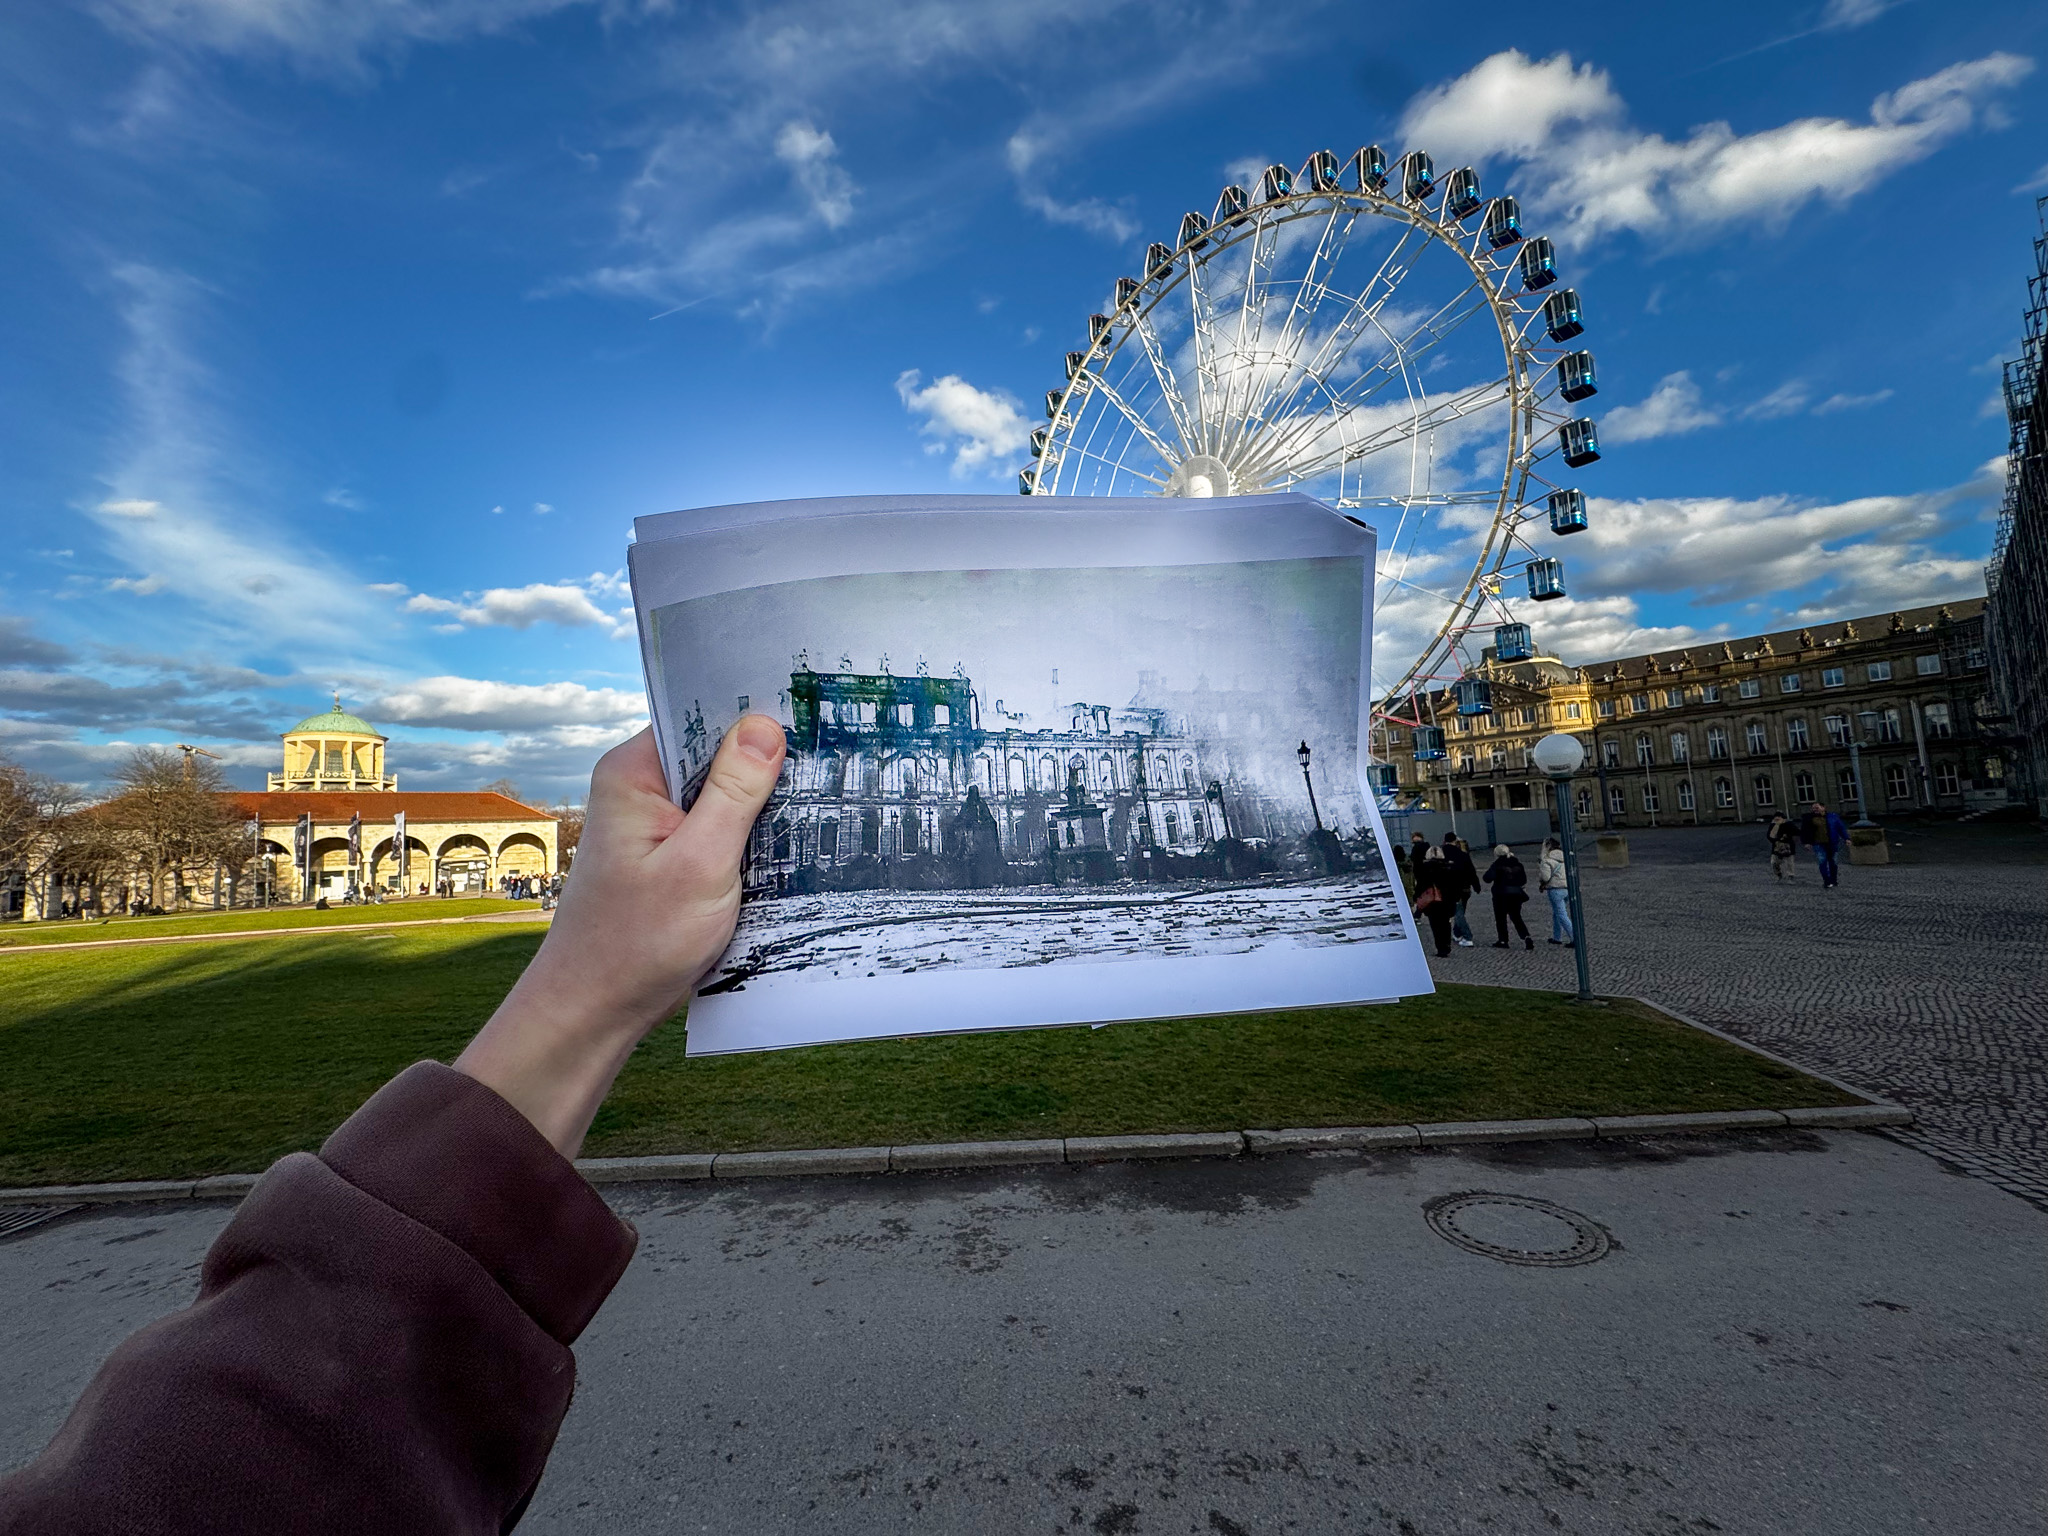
x: 649, y: 910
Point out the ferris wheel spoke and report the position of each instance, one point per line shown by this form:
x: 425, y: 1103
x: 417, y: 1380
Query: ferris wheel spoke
x: 1454, y: 408
x: 1115, y: 466
x: 1203, y: 340
x: 1169, y: 380
x: 1138, y: 422
x: 1249, y: 338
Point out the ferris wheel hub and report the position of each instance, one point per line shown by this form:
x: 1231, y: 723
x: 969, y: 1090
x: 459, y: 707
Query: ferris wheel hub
x: 1203, y: 474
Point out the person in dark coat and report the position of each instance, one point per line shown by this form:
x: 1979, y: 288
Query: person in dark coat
x: 1784, y: 841
x: 381, y: 1339
x: 1435, y: 880
x: 1510, y: 884
x: 1827, y: 835
x: 1466, y: 875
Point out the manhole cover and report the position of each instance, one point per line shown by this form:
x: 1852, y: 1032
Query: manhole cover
x: 1517, y: 1229
x: 19, y: 1218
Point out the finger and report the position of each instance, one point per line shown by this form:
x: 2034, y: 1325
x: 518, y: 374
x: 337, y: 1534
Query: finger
x: 741, y: 778
x: 632, y: 767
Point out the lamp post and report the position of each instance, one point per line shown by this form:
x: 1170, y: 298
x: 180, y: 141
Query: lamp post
x: 1215, y: 793
x: 1301, y: 756
x: 1559, y: 755
x: 1867, y: 719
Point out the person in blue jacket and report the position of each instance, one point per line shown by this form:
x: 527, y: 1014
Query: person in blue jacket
x: 1827, y: 835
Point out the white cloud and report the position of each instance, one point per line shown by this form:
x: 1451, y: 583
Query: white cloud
x: 1835, y: 403
x: 495, y: 511
x: 318, y: 35
x: 181, y: 510
x: 1788, y: 399
x: 1843, y: 15
x: 570, y: 604
x: 390, y: 588
x: 541, y: 509
x: 2038, y: 182
x: 1674, y: 407
x: 813, y: 160
x: 988, y: 425
x: 474, y: 704
x: 141, y: 586
x: 1594, y: 173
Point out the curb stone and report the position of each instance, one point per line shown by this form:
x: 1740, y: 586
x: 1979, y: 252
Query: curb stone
x: 1074, y: 1149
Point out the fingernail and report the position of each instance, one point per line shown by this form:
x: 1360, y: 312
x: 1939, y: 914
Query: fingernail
x: 759, y: 737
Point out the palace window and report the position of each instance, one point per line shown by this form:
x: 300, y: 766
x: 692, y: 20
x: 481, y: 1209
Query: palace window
x: 1795, y: 735
x: 1710, y: 693
x: 1685, y: 794
x: 1927, y: 666
x: 1585, y: 802
x: 1571, y: 710
x: 1888, y: 725
x: 1650, y: 802
x: 1946, y: 780
x: 1895, y: 784
x: 1789, y: 683
x: 1939, y: 726
x: 1837, y: 729
x: 1717, y: 742
x: 1973, y: 658
x: 1766, y: 793
x: 1750, y: 687
x: 1802, y: 788
x: 1724, y: 794
x: 1607, y: 709
x: 1681, y: 747
x: 1845, y: 785
x: 1674, y: 697
x: 1640, y: 703
x: 1645, y: 753
x: 1617, y: 802
x: 1528, y: 714
x: 1758, y: 740
x: 1610, y: 753
x: 1831, y: 677
x: 1880, y: 671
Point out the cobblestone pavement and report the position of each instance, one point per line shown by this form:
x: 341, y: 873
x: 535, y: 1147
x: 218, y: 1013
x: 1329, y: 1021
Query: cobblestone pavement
x: 1925, y: 983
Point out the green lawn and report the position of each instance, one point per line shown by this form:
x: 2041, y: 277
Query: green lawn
x: 413, y: 909
x: 186, y: 1060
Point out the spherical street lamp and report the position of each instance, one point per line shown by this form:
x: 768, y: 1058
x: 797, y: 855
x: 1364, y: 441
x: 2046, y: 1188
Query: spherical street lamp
x: 1559, y: 755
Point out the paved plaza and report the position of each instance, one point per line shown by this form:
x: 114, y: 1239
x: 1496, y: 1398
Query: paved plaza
x: 1923, y: 981
x: 1788, y: 1332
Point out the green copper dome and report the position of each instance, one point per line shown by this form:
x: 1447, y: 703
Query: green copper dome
x: 334, y: 723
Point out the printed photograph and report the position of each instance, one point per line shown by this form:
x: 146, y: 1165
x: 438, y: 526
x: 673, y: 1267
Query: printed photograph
x: 996, y: 769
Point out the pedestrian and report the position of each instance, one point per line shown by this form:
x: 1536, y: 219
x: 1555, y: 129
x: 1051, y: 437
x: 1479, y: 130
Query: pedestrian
x: 1826, y: 834
x: 1418, y: 850
x: 1784, y: 840
x: 1435, y: 877
x: 1467, y: 877
x: 381, y: 1338
x: 1510, y: 884
x: 1553, y: 883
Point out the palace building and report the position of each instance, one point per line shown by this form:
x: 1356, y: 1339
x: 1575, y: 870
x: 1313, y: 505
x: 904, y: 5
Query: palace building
x: 334, y: 775
x: 1728, y: 731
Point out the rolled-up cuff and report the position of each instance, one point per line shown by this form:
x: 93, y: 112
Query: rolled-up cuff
x: 443, y: 1149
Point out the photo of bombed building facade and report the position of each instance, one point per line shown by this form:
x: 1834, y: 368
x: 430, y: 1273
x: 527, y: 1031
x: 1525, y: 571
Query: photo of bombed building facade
x: 913, y: 782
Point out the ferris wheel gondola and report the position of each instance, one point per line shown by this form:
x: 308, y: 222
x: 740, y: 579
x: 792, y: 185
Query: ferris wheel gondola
x: 1373, y: 334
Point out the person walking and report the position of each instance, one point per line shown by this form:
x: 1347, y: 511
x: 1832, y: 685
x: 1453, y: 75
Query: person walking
x: 1784, y: 839
x: 1826, y: 834
x: 1510, y: 884
x: 1435, y: 878
x: 1552, y: 882
x: 1466, y: 877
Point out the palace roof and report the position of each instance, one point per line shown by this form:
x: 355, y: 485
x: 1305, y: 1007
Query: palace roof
x: 335, y: 723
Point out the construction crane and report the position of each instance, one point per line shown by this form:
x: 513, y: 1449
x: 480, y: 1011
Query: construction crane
x: 192, y: 752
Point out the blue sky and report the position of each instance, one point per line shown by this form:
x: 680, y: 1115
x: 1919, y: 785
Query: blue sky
x: 346, y: 341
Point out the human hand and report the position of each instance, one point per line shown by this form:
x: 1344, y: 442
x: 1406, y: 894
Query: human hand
x: 650, y: 908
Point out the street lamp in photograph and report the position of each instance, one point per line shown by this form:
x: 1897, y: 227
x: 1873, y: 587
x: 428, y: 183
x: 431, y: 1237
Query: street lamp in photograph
x: 1559, y: 756
x: 1301, y: 756
x: 1867, y: 721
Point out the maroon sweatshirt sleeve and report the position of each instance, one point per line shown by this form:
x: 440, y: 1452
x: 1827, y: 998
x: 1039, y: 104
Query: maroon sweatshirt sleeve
x: 380, y: 1342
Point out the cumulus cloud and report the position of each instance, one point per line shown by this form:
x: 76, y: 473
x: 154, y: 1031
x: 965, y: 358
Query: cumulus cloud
x: 1674, y: 407
x: 571, y: 604
x: 813, y: 160
x: 1595, y: 173
x: 987, y: 426
x: 478, y: 704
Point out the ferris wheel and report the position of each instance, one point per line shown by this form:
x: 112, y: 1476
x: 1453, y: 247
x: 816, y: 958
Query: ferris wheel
x: 1372, y: 336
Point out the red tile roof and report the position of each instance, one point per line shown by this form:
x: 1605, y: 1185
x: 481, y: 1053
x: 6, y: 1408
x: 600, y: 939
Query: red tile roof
x: 426, y: 805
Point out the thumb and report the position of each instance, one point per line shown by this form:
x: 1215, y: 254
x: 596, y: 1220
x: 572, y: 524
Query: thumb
x: 742, y: 776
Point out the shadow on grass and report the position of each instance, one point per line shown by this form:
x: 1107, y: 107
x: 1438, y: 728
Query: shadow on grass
x: 181, y: 1062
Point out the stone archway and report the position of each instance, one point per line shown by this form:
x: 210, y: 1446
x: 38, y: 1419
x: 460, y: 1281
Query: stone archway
x: 463, y: 863
x: 522, y: 854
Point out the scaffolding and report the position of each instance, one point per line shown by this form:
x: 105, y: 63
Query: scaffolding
x: 2016, y: 580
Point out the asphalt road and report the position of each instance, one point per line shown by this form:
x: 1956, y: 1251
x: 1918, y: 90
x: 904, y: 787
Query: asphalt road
x: 1789, y: 1332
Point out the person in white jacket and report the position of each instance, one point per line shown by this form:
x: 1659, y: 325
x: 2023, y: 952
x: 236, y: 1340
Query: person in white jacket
x: 1550, y: 880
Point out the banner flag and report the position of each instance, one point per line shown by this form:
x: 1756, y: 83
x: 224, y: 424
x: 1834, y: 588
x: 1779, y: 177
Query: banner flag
x: 302, y: 848
x: 400, y: 852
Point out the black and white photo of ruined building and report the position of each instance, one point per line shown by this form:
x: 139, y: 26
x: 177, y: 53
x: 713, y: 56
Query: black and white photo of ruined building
x: 935, y: 821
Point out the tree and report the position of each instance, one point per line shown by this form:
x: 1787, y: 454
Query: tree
x: 173, y: 813
x: 38, y: 824
x: 503, y: 787
x: 568, y: 830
